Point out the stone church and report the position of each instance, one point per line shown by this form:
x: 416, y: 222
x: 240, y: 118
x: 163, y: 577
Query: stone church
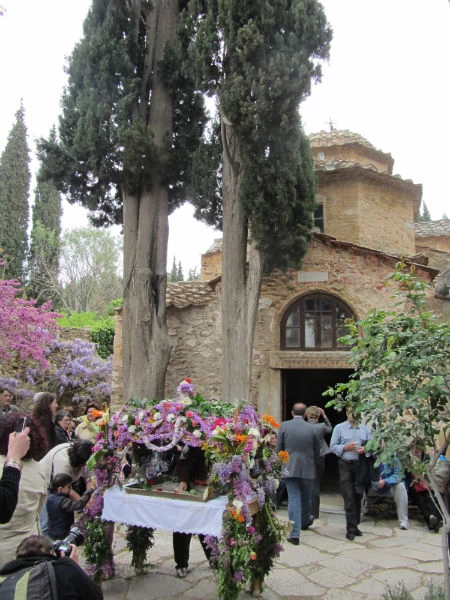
x: 365, y: 221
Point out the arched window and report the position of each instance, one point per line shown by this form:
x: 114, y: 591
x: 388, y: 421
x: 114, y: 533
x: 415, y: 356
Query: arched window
x: 315, y: 322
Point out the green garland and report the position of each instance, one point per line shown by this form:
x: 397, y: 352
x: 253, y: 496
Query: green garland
x: 97, y: 549
x: 139, y: 541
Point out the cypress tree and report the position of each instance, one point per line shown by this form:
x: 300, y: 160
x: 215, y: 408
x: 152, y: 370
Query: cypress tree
x: 258, y: 59
x: 43, y: 259
x: 130, y: 126
x: 14, y: 210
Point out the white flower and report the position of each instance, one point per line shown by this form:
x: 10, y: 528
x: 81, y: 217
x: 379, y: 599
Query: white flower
x: 170, y: 417
x: 157, y: 416
x: 197, y: 433
x: 124, y: 418
x: 253, y: 432
x: 186, y: 401
x: 132, y: 428
x: 238, y: 505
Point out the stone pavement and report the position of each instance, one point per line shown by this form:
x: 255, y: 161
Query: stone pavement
x: 324, y: 566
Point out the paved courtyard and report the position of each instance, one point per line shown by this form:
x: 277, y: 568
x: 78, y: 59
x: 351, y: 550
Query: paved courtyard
x: 325, y: 565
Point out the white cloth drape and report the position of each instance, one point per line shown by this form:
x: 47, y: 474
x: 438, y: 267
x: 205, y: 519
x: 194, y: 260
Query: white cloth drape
x: 185, y: 516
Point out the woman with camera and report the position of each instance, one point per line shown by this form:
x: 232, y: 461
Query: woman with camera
x: 32, y: 486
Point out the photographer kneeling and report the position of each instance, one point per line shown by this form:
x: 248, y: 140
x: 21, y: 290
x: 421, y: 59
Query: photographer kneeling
x: 71, y: 581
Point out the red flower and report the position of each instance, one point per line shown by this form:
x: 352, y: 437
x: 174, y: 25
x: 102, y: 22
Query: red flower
x: 188, y: 380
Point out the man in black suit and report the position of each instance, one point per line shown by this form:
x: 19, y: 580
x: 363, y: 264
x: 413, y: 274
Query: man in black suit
x: 300, y: 440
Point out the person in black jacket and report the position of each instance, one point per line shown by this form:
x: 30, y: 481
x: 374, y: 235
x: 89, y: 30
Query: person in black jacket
x: 18, y: 446
x: 190, y: 466
x: 64, y: 429
x: 61, y: 506
x: 72, y: 583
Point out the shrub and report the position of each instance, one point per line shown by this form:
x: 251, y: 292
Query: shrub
x: 102, y: 334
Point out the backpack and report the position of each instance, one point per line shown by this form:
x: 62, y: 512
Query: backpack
x: 35, y: 582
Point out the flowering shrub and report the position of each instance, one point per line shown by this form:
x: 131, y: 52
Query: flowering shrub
x: 26, y: 330
x: 76, y: 372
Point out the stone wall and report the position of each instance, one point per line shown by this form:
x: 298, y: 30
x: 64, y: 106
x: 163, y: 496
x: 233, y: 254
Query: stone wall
x: 354, y: 275
x: 358, y: 208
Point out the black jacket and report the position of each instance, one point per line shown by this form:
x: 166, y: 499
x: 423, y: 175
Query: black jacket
x: 60, y: 508
x: 71, y: 581
x: 9, y: 493
x: 62, y: 437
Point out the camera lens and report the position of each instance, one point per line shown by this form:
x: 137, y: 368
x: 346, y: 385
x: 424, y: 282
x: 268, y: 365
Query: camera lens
x: 75, y: 537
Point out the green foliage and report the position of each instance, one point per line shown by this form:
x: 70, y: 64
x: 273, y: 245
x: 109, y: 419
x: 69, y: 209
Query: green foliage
x: 434, y: 592
x: 79, y: 320
x: 193, y: 274
x: 107, y: 146
x: 97, y: 548
x: 425, y: 216
x: 89, y: 267
x: 397, y: 592
x: 102, y: 330
x: 400, y: 383
x: 14, y: 210
x: 43, y: 257
x: 176, y: 273
x: 110, y: 309
x: 102, y: 334
x: 139, y: 541
x: 259, y: 59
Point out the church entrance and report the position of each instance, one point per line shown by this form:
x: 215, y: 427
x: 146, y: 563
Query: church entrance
x: 307, y: 385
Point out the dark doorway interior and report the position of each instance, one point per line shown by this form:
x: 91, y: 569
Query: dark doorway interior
x: 307, y: 385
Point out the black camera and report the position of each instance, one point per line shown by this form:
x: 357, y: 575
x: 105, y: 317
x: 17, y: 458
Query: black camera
x: 75, y: 537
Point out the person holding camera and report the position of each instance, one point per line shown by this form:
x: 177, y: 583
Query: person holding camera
x: 72, y: 583
x: 61, y: 505
x: 32, y: 485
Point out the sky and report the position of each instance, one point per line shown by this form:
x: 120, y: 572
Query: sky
x: 386, y: 80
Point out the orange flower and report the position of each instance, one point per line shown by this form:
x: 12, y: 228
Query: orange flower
x: 241, y: 439
x: 283, y: 456
x: 239, y: 517
x: 97, y: 413
x: 252, y: 555
x: 269, y: 419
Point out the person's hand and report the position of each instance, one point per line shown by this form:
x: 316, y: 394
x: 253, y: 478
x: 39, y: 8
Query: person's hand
x: 74, y: 555
x: 182, y: 487
x: 73, y: 494
x: 322, y: 412
x: 351, y: 446
x: 381, y: 483
x: 18, y: 445
x: 360, y: 449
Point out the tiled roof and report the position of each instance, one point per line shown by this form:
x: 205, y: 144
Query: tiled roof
x: 417, y: 259
x: 338, y: 137
x: 182, y: 294
x: 216, y: 246
x: 430, y: 228
x: 337, y: 164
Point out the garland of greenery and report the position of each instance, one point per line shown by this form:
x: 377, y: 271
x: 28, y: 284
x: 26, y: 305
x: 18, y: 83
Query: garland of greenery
x: 139, y: 541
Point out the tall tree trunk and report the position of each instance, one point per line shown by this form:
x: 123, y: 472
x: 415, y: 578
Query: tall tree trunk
x: 146, y: 346
x: 241, y: 283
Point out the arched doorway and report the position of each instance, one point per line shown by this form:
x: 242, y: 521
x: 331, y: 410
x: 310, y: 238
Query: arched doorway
x: 310, y: 330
